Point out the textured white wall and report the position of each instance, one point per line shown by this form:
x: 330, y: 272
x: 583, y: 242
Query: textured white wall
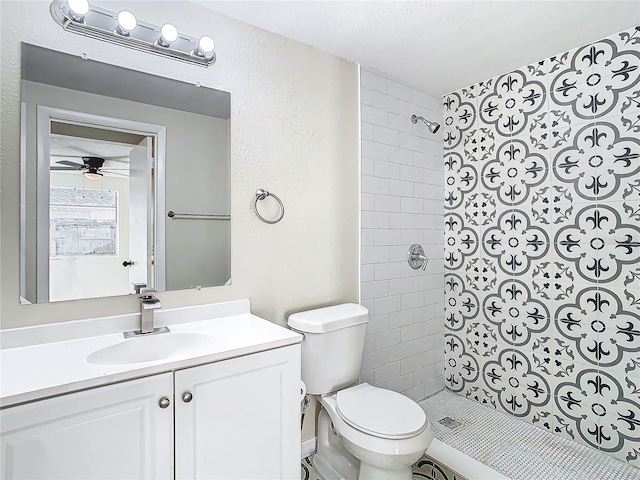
x: 294, y: 130
x: 402, y: 204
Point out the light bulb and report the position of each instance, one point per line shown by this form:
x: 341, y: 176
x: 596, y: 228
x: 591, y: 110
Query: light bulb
x: 168, y: 34
x: 126, y: 22
x: 205, y: 47
x: 92, y: 175
x: 78, y: 9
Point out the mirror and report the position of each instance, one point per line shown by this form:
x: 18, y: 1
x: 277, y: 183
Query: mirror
x: 125, y: 180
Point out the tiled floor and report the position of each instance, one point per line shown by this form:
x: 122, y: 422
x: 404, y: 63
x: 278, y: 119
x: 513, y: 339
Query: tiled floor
x: 425, y: 469
x: 308, y: 472
x: 510, y: 446
x: 515, y: 448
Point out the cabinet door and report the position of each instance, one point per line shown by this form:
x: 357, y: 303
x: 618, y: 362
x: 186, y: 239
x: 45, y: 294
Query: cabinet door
x: 113, y: 432
x: 243, y: 420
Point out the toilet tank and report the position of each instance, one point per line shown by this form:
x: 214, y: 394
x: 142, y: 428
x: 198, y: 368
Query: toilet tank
x: 332, y: 345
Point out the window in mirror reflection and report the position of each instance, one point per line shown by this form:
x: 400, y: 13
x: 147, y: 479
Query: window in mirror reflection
x: 83, y: 222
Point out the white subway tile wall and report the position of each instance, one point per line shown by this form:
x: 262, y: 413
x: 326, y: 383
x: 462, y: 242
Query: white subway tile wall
x: 402, y: 204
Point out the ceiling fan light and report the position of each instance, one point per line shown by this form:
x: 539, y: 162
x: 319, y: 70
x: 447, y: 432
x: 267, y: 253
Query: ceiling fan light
x: 92, y: 175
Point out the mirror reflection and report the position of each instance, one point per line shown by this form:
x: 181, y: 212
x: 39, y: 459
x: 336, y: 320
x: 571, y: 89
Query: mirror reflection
x: 125, y: 180
x: 97, y: 218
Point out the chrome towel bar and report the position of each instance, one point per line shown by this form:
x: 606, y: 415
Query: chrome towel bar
x: 197, y: 216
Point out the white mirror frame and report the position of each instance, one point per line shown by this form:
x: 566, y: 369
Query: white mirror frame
x: 46, y: 115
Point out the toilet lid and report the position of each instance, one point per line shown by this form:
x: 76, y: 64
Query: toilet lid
x: 379, y: 412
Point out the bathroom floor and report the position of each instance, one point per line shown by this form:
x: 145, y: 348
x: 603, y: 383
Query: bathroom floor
x: 488, y: 436
x: 425, y: 469
x: 516, y: 448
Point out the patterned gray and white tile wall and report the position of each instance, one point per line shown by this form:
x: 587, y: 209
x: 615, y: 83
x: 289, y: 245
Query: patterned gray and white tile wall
x: 542, y: 243
x: 402, y: 204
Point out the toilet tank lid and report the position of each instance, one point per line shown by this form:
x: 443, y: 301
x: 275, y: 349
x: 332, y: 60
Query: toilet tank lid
x: 327, y: 319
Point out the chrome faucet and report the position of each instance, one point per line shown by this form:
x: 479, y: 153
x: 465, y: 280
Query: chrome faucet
x: 138, y: 286
x: 148, y: 303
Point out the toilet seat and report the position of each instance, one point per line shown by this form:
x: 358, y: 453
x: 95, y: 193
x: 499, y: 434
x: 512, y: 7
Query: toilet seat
x: 380, y: 412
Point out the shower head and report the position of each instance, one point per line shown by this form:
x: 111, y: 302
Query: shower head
x: 432, y: 126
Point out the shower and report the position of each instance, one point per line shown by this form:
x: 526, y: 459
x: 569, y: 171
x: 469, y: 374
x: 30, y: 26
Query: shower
x: 432, y: 126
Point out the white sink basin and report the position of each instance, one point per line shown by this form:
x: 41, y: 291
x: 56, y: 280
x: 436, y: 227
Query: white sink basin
x: 151, y: 348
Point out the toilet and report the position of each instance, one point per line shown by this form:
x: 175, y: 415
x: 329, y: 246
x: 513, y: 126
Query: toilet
x: 364, y: 432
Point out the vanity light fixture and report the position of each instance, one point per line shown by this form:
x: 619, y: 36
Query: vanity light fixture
x: 122, y: 28
x: 126, y: 22
x: 168, y: 35
x: 205, y: 47
x: 78, y: 9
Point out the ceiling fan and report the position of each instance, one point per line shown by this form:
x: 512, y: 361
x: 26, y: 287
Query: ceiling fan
x: 91, y: 167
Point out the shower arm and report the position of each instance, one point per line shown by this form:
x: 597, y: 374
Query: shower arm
x: 432, y: 126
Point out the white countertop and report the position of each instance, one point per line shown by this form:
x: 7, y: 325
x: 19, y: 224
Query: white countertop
x: 30, y: 371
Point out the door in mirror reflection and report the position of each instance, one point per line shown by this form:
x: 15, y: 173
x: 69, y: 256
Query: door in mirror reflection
x: 140, y: 226
x: 99, y: 215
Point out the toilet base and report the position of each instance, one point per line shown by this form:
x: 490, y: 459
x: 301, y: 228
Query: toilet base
x: 332, y: 461
x: 338, y: 458
x: 369, y: 472
x: 374, y: 466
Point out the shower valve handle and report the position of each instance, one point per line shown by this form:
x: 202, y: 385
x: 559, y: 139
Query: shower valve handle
x: 416, y: 257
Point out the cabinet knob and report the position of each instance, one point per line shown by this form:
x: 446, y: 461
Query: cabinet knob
x: 187, y: 397
x: 164, y: 402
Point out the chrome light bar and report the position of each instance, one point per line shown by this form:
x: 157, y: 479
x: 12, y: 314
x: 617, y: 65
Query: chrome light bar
x: 122, y: 28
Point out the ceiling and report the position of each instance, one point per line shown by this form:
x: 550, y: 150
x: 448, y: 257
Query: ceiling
x: 440, y: 46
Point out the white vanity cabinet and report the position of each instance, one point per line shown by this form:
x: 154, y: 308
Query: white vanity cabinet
x: 236, y: 418
x: 117, y: 431
x: 240, y: 418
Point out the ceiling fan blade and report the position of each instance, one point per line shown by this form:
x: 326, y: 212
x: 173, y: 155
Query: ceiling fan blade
x: 115, y: 158
x: 71, y: 164
x: 64, y: 168
x: 119, y: 159
x: 109, y: 169
x: 115, y: 173
x: 71, y: 155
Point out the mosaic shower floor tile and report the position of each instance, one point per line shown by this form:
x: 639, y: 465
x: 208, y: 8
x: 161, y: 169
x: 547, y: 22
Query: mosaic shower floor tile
x: 515, y: 448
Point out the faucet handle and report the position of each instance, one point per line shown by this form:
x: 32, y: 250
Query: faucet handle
x: 146, y: 293
x: 137, y: 287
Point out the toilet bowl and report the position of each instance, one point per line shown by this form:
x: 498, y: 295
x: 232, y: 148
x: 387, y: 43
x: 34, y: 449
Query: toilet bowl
x: 384, y: 430
x: 364, y: 432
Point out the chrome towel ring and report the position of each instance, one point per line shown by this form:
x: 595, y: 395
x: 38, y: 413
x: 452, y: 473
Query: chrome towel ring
x: 261, y: 195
